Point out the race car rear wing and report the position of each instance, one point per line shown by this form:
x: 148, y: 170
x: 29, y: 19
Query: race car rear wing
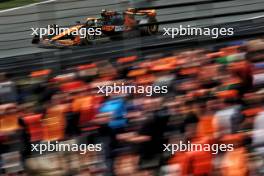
x: 148, y: 12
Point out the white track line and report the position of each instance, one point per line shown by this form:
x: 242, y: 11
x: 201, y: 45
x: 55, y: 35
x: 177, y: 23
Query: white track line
x: 26, y: 6
x: 256, y: 17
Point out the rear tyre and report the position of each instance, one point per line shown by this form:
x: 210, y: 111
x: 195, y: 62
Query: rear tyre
x: 151, y: 29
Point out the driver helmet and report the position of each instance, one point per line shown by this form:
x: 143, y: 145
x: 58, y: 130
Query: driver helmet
x: 103, y: 13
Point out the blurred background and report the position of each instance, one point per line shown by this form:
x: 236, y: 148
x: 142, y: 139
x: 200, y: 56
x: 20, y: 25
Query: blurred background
x: 215, y: 91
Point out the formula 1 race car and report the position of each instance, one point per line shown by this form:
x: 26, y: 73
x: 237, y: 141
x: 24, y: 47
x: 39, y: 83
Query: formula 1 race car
x: 111, y: 24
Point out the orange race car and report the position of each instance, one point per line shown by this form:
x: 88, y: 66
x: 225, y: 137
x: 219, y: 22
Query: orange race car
x: 111, y: 24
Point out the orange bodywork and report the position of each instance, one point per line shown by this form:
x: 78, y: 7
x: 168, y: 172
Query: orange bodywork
x: 129, y: 20
x: 72, y: 29
x: 108, y: 28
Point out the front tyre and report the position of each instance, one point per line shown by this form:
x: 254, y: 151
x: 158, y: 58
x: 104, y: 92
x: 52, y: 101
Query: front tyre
x: 36, y: 39
x: 89, y: 39
x: 153, y: 29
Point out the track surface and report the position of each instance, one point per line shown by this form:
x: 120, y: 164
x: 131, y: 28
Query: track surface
x: 15, y: 32
x: 62, y: 60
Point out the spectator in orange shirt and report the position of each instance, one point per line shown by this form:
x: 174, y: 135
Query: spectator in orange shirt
x: 235, y: 163
x: 206, y: 126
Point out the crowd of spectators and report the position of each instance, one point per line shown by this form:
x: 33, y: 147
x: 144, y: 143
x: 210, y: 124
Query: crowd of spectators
x: 215, y: 96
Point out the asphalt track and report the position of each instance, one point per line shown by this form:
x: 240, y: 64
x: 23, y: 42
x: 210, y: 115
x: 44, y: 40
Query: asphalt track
x: 15, y: 32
